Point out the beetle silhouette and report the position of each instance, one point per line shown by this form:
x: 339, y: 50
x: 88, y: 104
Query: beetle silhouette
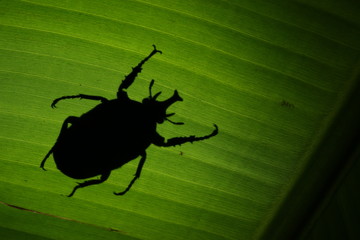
x: 113, y: 133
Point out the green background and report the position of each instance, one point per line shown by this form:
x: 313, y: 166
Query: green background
x: 235, y: 63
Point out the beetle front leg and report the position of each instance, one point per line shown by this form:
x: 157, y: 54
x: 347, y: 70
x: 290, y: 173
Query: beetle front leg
x: 129, y: 79
x: 102, y: 179
x: 160, y: 141
x: 136, y: 176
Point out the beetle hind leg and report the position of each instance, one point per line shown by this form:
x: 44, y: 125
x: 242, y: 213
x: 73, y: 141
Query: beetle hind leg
x: 136, y: 176
x: 102, y: 179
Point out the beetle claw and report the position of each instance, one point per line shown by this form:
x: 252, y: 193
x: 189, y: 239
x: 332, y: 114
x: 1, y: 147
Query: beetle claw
x: 72, y: 193
x: 119, y: 193
x: 216, y: 131
x: 156, y: 49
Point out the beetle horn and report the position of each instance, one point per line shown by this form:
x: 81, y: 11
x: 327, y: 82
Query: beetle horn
x: 175, y: 97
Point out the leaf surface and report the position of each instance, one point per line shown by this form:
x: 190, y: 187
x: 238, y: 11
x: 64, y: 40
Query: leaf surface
x: 271, y: 74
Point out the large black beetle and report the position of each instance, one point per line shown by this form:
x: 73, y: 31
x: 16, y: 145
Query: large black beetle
x: 113, y: 133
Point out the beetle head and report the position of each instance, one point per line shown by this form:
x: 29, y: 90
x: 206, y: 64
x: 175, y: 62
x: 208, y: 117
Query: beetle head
x: 157, y: 109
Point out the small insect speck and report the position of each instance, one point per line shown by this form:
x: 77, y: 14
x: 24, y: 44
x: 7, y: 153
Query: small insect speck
x: 287, y: 104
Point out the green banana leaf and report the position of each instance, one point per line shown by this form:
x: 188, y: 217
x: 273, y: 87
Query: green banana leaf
x: 279, y: 78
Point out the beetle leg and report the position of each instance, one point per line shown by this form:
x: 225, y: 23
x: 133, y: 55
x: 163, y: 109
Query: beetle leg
x: 102, y: 179
x: 129, y: 79
x: 46, y: 157
x: 136, y: 176
x: 81, y: 96
x: 64, y: 127
x: 159, y: 141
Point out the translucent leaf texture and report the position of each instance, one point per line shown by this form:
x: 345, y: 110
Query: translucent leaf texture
x: 273, y: 75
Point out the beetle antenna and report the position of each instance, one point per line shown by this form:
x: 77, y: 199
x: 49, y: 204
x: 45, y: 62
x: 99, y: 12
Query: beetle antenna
x: 176, y: 123
x: 150, y: 92
x: 150, y: 87
x: 171, y: 114
x: 156, y: 95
